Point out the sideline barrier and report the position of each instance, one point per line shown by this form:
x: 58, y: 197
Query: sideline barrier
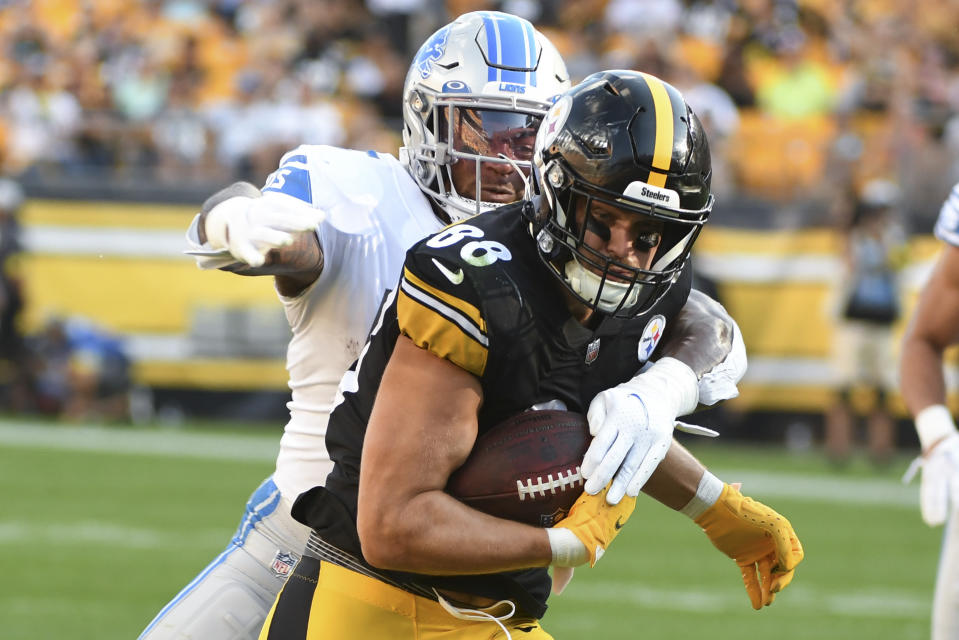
x: 121, y: 265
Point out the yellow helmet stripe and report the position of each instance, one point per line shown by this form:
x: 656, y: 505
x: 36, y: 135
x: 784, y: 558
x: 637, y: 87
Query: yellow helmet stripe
x: 663, y: 149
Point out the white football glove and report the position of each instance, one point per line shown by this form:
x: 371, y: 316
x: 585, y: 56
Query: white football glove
x: 250, y: 227
x: 939, y: 486
x: 632, y: 425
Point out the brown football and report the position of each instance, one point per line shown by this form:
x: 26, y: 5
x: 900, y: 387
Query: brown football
x: 526, y: 468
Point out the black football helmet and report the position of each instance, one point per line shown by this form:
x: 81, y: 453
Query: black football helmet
x: 628, y: 140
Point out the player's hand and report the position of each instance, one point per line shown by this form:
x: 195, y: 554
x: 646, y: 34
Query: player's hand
x: 939, y: 487
x: 761, y: 541
x: 595, y: 523
x: 250, y: 227
x: 632, y: 425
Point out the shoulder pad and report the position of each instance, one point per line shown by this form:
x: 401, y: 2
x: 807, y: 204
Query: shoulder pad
x: 322, y: 175
x: 440, y: 303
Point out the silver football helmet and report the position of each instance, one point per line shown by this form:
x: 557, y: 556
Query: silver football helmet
x: 473, y: 100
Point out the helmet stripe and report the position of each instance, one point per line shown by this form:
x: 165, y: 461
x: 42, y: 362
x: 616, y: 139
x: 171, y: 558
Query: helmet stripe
x: 510, y: 42
x: 663, y: 149
x: 529, y: 38
x: 492, y: 46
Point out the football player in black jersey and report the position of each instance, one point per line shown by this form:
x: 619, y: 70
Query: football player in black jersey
x: 551, y: 302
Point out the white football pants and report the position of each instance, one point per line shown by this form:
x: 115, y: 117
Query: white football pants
x: 229, y: 599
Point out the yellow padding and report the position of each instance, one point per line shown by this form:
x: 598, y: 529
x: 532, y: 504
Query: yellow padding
x: 715, y: 239
x: 75, y: 213
x: 782, y: 320
x: 221, y: 374
x: 133, y: 295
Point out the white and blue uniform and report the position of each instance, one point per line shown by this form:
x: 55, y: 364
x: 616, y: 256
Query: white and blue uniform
x: 945, y: 602
x: 375, y: 211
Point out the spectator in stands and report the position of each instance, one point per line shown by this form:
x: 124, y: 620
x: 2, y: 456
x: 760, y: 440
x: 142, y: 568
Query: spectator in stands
x: 81, y: 371
x: 13, y: 371
x: 799, y: 86
x: 863, y: 347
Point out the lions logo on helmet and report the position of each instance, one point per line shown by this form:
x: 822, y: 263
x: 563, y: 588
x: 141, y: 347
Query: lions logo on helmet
x: 431, y: 51
x: 629, y: 141
x: 475, y: 95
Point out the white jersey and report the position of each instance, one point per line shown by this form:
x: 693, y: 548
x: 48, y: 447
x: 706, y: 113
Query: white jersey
x: 947, y: 225
x: 375, y: 212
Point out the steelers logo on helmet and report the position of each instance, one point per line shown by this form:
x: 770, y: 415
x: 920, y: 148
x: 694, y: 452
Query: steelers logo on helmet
x: 474, y: 99
x: 625, y: 144
x: 553, y: 122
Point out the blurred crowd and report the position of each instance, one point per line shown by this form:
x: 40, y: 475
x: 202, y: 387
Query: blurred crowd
x: 809, y: 105
x: 803, y: 98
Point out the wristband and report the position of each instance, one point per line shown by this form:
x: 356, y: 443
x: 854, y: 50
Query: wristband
x: 934, y: 424
x: 566, y: 548
x: 707, y: 493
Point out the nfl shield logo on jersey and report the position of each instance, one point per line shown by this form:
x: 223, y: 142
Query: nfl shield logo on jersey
x: 283, y: 563
x: 592, y: 351
x: 651, y: 335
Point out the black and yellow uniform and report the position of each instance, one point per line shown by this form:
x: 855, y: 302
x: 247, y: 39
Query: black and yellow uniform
x: 478, y: 295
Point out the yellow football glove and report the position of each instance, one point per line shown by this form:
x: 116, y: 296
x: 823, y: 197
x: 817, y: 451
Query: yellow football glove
x: 595, y: 523
x: 758, y: 539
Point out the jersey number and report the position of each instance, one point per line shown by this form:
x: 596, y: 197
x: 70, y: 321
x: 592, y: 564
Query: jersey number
x: 479, y: 253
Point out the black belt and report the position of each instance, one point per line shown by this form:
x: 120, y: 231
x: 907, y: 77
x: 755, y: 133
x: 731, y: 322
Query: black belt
x: 320, y: 549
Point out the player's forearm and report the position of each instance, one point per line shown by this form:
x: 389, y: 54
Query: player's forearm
x: 676, y: 478
x: 302, y: 258
x: 921, y: 374
x: 296, y: 265
x: 434, y: 533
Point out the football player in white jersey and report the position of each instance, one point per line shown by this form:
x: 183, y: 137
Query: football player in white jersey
x: 935, y: 326
x: 485, y: 80
x: 333, y: 225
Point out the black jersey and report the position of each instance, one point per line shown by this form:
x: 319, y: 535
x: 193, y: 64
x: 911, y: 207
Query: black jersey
x: 478, y: 295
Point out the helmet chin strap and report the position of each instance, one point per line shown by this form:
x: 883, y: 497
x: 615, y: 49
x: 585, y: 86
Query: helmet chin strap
x: 587, y: 284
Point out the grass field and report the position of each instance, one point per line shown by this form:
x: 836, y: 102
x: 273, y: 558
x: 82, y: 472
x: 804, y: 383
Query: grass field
x: 100, y: 527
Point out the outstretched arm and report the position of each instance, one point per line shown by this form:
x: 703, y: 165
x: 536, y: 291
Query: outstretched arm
x: 266, y: 234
